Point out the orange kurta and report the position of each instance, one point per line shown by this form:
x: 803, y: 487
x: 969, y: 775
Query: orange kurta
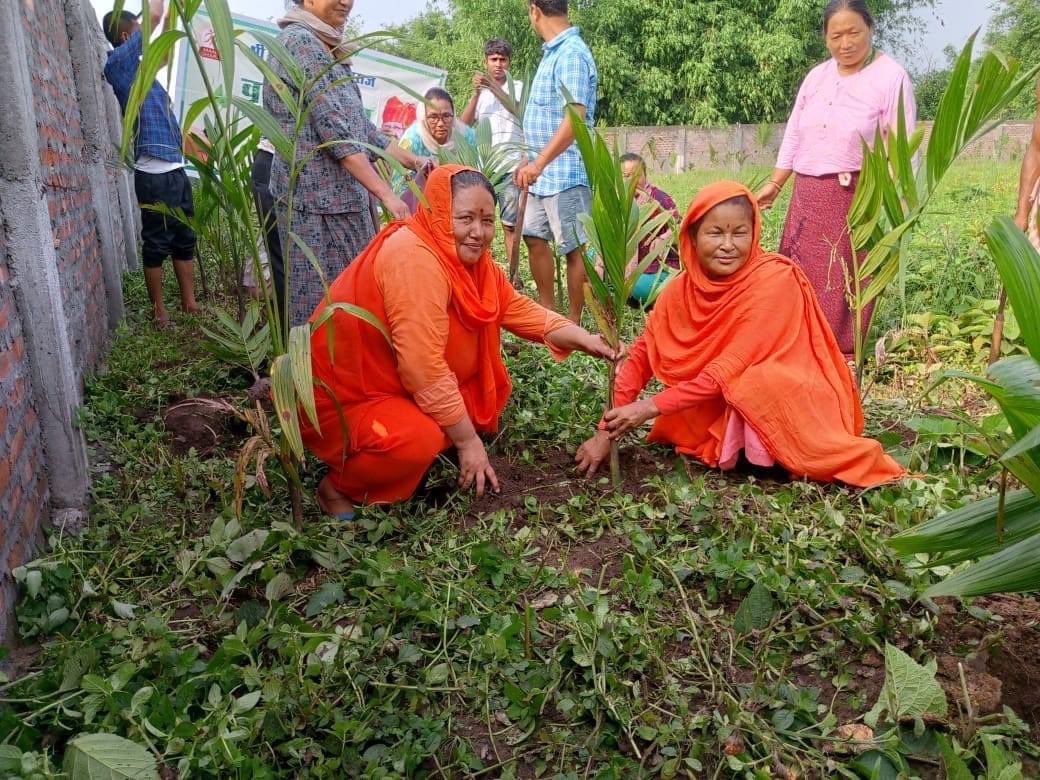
x: 762, y: 338
x: 442, y: 363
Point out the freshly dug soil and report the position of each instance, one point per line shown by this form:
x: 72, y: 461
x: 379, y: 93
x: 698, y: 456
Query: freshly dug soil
x: 552, y: 480
x: 1001, y: 660
x: 199, y: 424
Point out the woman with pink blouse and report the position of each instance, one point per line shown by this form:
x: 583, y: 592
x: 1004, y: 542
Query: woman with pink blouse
x: 841, y: 103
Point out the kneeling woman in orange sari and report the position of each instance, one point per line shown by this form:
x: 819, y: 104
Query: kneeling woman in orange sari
x: 440, y: 381
x: 747, y: 358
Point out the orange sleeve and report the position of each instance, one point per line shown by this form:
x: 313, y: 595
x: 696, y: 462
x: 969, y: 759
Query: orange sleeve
x: 415, y: 297
x: 632, y: 377
x: 685, y: 394
x: 529, y: 320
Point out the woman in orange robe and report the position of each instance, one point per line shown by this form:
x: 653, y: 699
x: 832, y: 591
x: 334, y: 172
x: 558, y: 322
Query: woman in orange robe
x: 439, y: 381
x: 747, y: 358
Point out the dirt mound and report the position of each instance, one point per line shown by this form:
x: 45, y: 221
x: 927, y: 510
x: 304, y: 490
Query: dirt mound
x: 201, y: 424
x: 1001, y: 659
x: 552, y: 479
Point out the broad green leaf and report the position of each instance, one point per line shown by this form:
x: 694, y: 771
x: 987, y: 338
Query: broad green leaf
x: 954, y: 765
x: 76, y: 666
x: 108, y: 757
x: 1013, y: 569
x: 1019, y: 265
x: 300, y: 361
x: 756, y: 611
x: 328, y: 594
x: 244, y: 546
x: 910, y: 690
x: 278, y: 587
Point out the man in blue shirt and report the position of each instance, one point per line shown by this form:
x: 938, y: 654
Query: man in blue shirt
x: 159, y: 176
x: 556, y: 178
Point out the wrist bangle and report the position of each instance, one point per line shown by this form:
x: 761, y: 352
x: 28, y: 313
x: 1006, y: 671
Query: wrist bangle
x: 776, y: 184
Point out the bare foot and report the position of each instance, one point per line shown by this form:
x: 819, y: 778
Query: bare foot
x: 162, y: 320
x: 334, y: 503
x: 192, y: 308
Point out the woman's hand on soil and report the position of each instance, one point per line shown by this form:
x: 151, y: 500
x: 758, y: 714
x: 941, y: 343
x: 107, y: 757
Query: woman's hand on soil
x: 627, y: 418
x: 474, y: 466
x: 592, y: 453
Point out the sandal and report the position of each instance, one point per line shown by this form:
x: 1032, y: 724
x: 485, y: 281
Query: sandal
x: 343, y: 517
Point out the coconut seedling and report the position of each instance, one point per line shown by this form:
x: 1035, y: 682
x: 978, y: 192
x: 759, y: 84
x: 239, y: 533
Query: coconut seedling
x: 616, y: 225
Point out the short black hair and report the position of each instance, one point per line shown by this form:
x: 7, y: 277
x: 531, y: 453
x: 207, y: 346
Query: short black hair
x: 113, y: 28
x: 438, y: 93
x: 739, y: 200
x: 856, y: 6
x: 550, y: 7
x: 499, y: 46
x: 463, y: 180
x: 633, y: 157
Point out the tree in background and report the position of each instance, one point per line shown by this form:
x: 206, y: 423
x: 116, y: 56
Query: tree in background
x: 706, y: 62
x: 1014, y: 30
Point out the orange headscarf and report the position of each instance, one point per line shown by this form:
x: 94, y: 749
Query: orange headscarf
x: 761, y: 335
x: 363, y: 366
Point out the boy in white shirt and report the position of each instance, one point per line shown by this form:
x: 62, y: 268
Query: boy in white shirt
x: 505, y: 128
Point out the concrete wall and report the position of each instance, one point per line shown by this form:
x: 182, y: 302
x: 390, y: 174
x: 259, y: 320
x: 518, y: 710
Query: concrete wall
x: 66, y: 237
x: 676, y: 149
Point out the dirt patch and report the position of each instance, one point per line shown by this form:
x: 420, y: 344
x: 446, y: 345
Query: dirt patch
x: 1001, y: 660
x: 597, y: 561
x: 492, y: 745
x: 201, y: 424
x: 19, y: 659
x: 552, y: 479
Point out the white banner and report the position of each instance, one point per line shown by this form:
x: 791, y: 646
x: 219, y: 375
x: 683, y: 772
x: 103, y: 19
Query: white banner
x: 388, y: 106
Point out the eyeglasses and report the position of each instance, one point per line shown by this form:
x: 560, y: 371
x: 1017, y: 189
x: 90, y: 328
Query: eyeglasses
x: 444, y: 119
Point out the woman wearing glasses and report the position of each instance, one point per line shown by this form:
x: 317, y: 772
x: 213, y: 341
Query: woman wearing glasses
x: 433, y: 131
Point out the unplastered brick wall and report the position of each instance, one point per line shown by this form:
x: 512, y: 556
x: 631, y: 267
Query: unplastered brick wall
x: 66, y: 237
x: 66, y: 184
x: 23, y: 481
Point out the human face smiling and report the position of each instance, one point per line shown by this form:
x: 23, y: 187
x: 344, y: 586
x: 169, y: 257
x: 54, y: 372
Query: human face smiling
x: 473, y: 223
x: 724, y: 239
x: 332, y: 12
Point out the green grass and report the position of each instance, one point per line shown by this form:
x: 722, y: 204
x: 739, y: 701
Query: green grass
x: 563, y: 631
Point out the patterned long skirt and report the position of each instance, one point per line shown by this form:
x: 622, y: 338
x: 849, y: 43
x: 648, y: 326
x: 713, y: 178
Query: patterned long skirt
x: 334, y: 240
x: 816, y: 236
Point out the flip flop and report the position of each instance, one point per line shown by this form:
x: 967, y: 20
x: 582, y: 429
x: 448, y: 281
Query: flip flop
x: 343, y: 517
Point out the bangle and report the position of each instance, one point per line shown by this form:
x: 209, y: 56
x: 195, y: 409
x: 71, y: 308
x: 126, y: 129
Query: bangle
x: 776, y: 184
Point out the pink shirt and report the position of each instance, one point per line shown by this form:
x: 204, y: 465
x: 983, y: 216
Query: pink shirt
x: 832, y: 113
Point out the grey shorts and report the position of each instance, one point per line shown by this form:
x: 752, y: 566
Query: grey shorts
x: 555, y: 218
x: 509, y: 204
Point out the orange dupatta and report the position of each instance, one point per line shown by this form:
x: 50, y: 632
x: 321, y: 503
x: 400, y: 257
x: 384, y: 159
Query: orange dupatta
x: 761, y: 336
x: 362, y: 365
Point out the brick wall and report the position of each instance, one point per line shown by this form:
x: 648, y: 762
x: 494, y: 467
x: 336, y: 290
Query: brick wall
x: 676, y: 149
x: 60, y: 275
x: 66, y: 186
x: 23, y: 484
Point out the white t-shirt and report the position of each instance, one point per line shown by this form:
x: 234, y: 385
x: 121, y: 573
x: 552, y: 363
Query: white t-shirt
x: 505, y: 128
x: 148, y: 164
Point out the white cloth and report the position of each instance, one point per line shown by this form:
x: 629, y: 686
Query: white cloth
x: 266, y: 146
x: 148, y: 164
x: 505, y: 128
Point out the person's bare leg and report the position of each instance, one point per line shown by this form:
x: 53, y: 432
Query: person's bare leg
x: 542, y: 269
x: 153, y: 283
x: 575, y: 284
x: 185, y: 270
x: 331, y: 501
x: 509, y: 239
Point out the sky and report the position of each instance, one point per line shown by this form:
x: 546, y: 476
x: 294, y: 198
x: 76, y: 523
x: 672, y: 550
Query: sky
x: 951, y: 22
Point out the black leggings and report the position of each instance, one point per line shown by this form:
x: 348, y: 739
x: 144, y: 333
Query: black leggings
x: 265, y: 207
